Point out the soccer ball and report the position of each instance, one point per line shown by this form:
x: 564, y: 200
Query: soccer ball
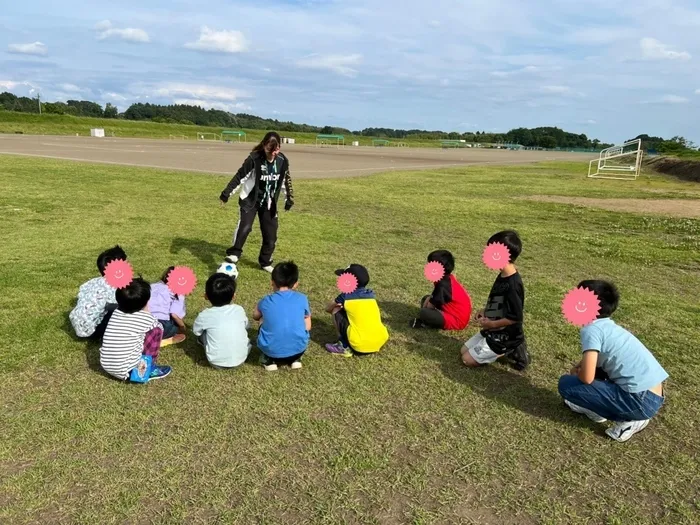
x: 229, y: 269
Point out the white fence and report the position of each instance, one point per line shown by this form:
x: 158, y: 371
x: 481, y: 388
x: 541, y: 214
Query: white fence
x: 619, y: 162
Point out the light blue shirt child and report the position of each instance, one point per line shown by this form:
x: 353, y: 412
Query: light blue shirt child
x: 223, y: 332
x: 622, y: 356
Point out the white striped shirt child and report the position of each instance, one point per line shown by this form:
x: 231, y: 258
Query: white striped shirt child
x: 122, y: 345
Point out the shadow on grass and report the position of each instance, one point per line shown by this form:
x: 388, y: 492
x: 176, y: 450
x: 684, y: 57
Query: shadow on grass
x: 323, y: 330
x: 497, y: 382
x: 209, y: 253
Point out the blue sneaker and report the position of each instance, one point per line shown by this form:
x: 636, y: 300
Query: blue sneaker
x: 160, y: 372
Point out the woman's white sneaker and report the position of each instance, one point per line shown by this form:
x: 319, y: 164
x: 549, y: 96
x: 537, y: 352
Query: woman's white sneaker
x: 623, y: 431
x: 589, y: 413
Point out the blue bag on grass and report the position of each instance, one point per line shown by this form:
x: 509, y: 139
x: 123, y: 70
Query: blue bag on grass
x: 143, y: 370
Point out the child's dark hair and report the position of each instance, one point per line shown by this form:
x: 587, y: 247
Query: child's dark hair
x: 445, y: 258
x: 113, y: 254
x: 220, y: 289
x: 285, y: 275
x: 607, y: 294
x: 164, y: 278
x: 512, y: 241
x: 134, y: 297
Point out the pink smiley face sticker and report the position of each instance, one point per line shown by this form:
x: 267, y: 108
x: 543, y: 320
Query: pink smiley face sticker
x: 580, y: 306
x: 434, y: 271
x: 347, y: 283
x: 182, y: 280
x: 119, y: 274
x: 496, y: 256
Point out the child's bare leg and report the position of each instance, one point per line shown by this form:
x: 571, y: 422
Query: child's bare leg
x: 467, y: 359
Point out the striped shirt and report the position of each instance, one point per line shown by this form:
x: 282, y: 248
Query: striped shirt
x: 122, y: 344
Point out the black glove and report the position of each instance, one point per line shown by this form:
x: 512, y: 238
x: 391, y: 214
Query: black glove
x: 223, y: 197
x: 288, y: 205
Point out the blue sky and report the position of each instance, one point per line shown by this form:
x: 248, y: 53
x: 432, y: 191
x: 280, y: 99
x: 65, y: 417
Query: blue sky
x: 607, y: 68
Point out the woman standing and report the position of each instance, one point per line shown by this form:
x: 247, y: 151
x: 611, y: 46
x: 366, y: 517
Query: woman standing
x: 261, y: 178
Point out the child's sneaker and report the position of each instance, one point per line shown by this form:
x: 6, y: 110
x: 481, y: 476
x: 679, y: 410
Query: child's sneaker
x: 589, y: 413
x: 416, y: 323
x: 296, y: 365
x: 623, y: 431
x: 520, y: 357
x: 268, y: 364
x: 338, y: 349
x: 269, y: 268
x: 160, y: 372
x: 231, y: 259
x: 174, y: 340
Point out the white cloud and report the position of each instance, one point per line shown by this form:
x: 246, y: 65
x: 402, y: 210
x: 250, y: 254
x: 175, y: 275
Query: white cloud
x: 652, y: 49
x: 8, y: 84
x: 199, y: 92
x: 674, y: 99
x: 219, y: 41
x: 339, y: 64
x: 601, y: 35
x: 72, y: 88
x: 559, y: 90
x: 35, y: 48
x: 130, y: 34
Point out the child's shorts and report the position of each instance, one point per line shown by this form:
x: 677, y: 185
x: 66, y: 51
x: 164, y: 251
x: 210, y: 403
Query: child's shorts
x: 480, y: 351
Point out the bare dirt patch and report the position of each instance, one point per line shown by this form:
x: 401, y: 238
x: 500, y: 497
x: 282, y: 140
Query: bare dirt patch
x: 670, y: 207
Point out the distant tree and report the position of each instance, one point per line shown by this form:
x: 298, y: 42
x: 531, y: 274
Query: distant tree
x: 111, y: 111
x: 547, y: 141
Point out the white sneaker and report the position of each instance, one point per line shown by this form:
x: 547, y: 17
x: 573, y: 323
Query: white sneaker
x: 589, y: 413
x: 623, y: 431
x: 268, y: 269
x: 270, y: 368
x: 232, y: 259
x: 296, y: 365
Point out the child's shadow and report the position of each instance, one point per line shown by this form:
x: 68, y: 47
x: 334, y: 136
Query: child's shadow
x: 323, y: 331
x: 209, y: 253
x: 497, y: 382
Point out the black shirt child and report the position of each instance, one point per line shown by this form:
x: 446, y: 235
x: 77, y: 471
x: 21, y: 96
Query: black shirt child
x: 506, y: 301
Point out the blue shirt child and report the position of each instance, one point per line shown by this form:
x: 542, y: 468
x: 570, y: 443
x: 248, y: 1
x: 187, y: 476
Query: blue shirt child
x: 283, y: 331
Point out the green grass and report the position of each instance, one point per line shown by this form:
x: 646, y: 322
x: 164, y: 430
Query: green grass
x: 47, y: 124
x: 407, y: 436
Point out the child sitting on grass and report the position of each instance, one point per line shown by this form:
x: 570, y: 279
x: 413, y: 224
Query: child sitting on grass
x: 286, y: 320
x: 618, y: 378
x: 169, y: 309
x: 357, y: 318
x: 502, y: 321
x: 132, y: 332
x: 449, y: 307
x: 223, y: 328
x: 96, y: 300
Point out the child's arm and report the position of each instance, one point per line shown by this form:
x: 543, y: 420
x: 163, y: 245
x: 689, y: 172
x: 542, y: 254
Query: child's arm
x: 179, y: 322
x: 330, y: 307
x: 587, y: 367
x: 198, y: 326
x: 257, y: 316
x: 307, y: 322
x: 488, y: 324
x: 246, y: 170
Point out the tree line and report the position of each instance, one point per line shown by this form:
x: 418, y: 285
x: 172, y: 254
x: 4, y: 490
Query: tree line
x: 543, y: 137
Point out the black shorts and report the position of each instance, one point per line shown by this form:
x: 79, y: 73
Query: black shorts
x: 342, y: 323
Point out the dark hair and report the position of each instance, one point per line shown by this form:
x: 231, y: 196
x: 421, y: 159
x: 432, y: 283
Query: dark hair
x: 512, y: 241
x: 445, y: 258
x: 607, y: 294
x: 220, y: 289
x: 285, y: 275
x: 270, y: 142
x: 164, y: 278
x: 113, y: 254
x: 135, y: 296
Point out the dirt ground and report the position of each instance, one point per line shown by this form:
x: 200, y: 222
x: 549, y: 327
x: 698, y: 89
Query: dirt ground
x: 669, y: 207
x: 225, y: 159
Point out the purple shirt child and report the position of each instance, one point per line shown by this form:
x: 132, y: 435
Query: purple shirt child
x: 163, y: 302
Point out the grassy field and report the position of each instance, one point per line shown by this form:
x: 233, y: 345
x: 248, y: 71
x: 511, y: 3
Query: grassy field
x: 406, y: 436
x: 46, y: 124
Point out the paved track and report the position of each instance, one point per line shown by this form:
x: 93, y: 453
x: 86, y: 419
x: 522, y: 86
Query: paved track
x: 222, y: 158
